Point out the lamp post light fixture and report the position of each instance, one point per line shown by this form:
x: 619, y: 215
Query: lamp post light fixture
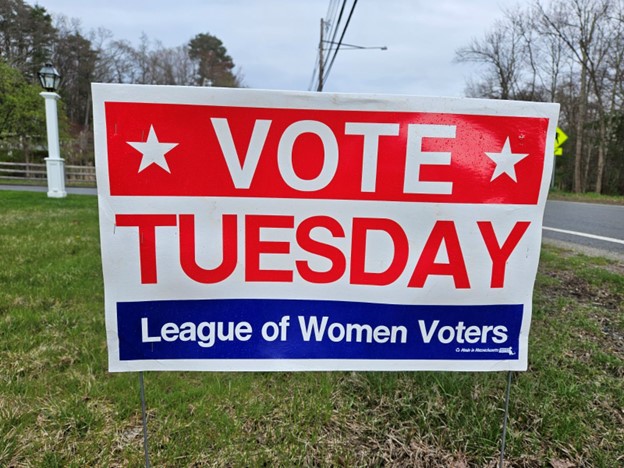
x: 55, y: 165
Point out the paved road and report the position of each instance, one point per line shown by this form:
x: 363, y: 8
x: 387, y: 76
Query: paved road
x: 34, y: 188
x: 589, y: 226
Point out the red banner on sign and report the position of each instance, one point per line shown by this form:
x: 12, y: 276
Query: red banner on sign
x: 197, y: 150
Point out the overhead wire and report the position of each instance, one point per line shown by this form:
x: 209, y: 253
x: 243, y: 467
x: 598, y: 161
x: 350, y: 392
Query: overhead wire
x: 334, y: 31
x: 330, y: 17
x: 329, y: 20
x: 332, y: 21
x: 339, y: 43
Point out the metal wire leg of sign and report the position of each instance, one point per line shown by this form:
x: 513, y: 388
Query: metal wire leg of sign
x: 505, y: 418
x: 144, y: 414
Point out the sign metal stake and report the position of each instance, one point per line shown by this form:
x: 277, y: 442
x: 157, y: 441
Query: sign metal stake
x: 505, y: 418
x: 144, y: 416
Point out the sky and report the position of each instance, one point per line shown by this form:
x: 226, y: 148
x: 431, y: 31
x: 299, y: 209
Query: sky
x: 274, y: 43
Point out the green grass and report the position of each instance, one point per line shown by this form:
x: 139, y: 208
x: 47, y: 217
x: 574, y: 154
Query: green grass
x: 588, y: 197
x: 60, y: 407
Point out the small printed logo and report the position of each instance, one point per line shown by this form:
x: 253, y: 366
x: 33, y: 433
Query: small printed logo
x: 507, y: 351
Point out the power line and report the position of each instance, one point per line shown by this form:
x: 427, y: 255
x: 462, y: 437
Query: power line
x: 329, y: 26
x: 344, y: 30
x: 330, y: 17
x: 335, y: 29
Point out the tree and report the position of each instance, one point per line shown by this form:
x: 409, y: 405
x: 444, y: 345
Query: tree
x: 500, y: 52
x: 25, y: 34
x: 572, y: 52
x: 29, y: 38
x: 174, y: 66
x: 579, y: 24
x: 149, y: 63
x: 75, y: 59
x: 22, y: 114
x: 115, y: 63
x: 213, y: 65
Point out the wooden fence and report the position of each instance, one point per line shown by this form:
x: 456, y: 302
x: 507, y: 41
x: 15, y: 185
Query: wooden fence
x: 36, y: 172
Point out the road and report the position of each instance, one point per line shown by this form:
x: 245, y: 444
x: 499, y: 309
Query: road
x: 35, y: 188
x: 591, y: 227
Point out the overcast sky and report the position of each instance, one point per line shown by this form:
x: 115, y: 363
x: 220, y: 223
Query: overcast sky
x: 275, y: 42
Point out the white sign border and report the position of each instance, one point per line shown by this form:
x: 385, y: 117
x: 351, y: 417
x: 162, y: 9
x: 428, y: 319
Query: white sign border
x: 103, y: 93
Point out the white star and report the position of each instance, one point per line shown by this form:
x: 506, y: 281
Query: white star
x: 153, y: 151
x: 505, y: 161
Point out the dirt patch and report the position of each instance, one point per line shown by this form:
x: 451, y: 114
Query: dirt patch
x: 568, y: 284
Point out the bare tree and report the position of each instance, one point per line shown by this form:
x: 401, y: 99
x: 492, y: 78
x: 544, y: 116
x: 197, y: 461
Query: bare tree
x: 501, y: 53
x: 572, y: 52
x: 579, y: 24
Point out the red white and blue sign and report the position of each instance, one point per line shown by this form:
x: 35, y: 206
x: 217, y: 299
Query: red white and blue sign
x: 247, y: 230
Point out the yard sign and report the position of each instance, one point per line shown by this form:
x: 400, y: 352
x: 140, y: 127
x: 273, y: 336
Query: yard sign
x: 248, y: 230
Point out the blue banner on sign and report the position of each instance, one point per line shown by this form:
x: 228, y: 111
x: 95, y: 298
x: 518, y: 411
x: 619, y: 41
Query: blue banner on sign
x: 298, y: 329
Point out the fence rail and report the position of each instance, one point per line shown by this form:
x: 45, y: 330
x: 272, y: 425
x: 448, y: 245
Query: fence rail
x: 36, y: 172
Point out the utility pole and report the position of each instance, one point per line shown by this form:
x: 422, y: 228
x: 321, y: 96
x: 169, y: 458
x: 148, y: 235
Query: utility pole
x: 328, y: 45
x: 321, y: 64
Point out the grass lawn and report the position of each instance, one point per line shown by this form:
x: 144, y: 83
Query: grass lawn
x: 60, y: 407
x: 588, y: 197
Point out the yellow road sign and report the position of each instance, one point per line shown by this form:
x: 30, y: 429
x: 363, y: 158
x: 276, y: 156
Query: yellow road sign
x: 560, y: 138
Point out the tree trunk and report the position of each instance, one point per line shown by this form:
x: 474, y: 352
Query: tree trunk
x: 580, y: 124
x: 588, y: 158
x: 602, y: 154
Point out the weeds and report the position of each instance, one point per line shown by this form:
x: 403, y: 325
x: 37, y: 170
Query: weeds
x: 60, y: 407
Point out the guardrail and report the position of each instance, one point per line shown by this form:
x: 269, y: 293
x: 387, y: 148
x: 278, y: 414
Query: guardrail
x: 36, y: 172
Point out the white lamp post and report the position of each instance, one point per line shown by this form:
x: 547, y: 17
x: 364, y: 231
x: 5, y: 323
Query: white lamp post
x: 55, y: 165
